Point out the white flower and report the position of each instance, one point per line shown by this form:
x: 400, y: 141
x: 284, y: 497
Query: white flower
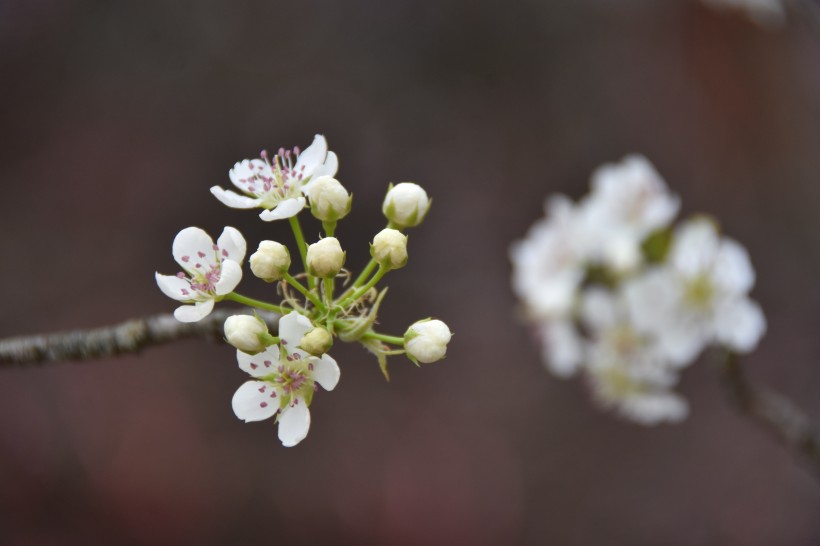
x: 209, y: 270
x: 270, y: 261
x: 406, y: 204
x: 325, y: 258
x: 244, y: 332
x: 626, y: 370
x: 426, y: 340
x: 278, y: 186
x: 699, y: 296
x: 285, y: 379
x: 329, y: 200
x: 389, y: 248
x: 629, y: 200
x: 549, y: 264
x: 766, y: 13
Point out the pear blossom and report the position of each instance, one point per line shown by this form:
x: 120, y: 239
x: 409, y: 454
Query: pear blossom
x: 549, y: 263
x: 209, y: 271
x: 699, y: 296
x: 426, y: 340
x: 629, y: 200
x: 625, y: 368
x: 278, y: 186
x: 406, y: 204
x: 284, y: 381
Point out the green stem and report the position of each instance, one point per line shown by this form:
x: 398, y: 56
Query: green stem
x: 330, y: 228
x: 329, y: 284
x: 363, y: 290
x: 368, y: 269
x: 394, y: 340
x: 250, y: 302
x: 300, y: 242
x: 304, y: 291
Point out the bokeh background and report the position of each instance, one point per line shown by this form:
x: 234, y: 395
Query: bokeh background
x: 116, y: 118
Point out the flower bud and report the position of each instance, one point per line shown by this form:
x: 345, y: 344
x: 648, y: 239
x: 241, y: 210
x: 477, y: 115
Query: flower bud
x: 317, y: 341
x: 271, y: 261
x: 329, y: 200
x: 426, y: 340
x: 406, y: 204
x: 246, y: 333
x: 389, y: 249
x: 325, y: 258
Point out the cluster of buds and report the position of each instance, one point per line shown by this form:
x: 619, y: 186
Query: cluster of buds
x: 615, y: 291
x: 287, y: 368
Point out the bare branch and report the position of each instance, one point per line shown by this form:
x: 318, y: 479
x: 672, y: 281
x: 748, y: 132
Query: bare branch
x: 775, y: 412
x: 128, y: 337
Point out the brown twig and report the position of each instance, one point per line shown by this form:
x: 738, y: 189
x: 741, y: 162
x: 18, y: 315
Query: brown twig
x: 775, y: 412
x: 125, y: 338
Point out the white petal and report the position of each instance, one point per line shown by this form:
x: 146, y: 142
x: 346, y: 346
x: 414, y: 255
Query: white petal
x: 234, y: 200
x: 233, y: 243
x: 681, y: 341
x: 260, y: 364
x: 172, y: 286
x: 285, y: 209
x: 652, y: 408
x: 312, y: 156
x: 326, y: 372
x: 740, y: 325
x: 193, y: 246
x: 292, y: 328
x: 732, y: 269
x: 294, y: 423
x: 694, y: 247
x: 329, y: 168
x: 245, y: 174
x: 562, y: 350
x: 599, y: 309
x: 229, y: 277
x: 255, y: 401
x: 194, y: 313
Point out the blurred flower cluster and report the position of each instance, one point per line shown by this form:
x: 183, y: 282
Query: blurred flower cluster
x: 285, y: 370
x: 618, y: 293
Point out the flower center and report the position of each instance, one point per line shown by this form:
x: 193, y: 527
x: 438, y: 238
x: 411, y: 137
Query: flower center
x: 202, y: 274
x: 280, y: 181
x: 699, y: 291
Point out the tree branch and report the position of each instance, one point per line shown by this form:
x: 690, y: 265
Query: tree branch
x: 125, y: 338
x: 774, y: 412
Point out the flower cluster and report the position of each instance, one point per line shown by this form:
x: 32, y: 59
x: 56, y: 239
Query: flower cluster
x: 617, y: 292
x: 288, y: 368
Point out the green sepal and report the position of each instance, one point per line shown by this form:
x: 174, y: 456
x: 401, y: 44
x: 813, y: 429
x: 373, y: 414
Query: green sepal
x: 361, y: 325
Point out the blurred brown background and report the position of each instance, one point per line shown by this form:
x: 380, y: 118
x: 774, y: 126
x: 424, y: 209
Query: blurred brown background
x: 116, y: 118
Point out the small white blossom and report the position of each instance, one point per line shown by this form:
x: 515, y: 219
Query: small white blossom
x: 329, y: 200
x: 325, y: 258
x: 426, y: 340
x: 209, y: 270
x: 625, y: 368
x: 562, y: 346
x: 285, y: 378
x: 270, y: 261
x: 389, y: 248
x: 406, y: 204
x: 278, y: 186
x: 549, y: 263
x: 699, y: 296
x: 629, y: 200
x: 244, y: 331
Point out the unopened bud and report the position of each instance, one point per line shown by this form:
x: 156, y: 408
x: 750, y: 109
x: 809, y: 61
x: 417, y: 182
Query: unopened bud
x: 317, y: 341
x: 329, y: 200
x: 406, y: 204
x: 389, y: 249
x: 246, y: 333
x: 271, y: 261
x: 426, y: 340
x: 325, y: 258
